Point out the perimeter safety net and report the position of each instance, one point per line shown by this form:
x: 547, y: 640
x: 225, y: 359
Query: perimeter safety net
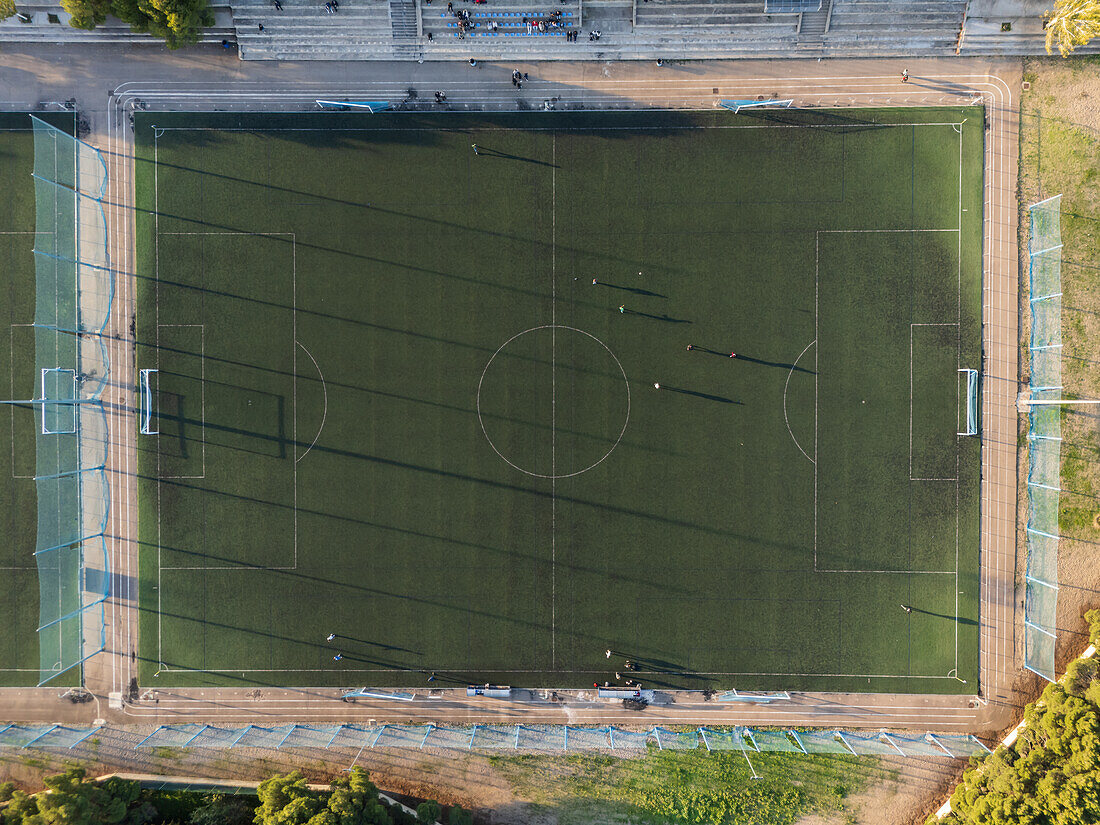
x: 1044, y: 435
x: 74, y: 288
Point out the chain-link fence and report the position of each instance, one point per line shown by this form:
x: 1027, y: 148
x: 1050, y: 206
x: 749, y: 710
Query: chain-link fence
x: 1044, y: 437
x: 528, y: 738
x: 74, y: 288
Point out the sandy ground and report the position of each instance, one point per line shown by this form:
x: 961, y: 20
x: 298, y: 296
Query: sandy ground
x: 898, y: 791
x: 1068, y: 92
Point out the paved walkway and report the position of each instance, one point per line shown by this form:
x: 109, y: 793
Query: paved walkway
x: 108, y: 82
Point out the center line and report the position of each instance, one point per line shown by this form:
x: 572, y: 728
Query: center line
x: 553, y: 397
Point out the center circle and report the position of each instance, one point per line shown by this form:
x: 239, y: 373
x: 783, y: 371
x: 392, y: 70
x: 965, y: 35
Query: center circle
x: 553, y: 401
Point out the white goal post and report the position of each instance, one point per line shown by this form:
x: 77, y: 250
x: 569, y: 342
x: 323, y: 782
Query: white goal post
x: 145, y: 391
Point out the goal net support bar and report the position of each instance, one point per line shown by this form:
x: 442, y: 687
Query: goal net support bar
x: 738, y: 105
x: 371, y: 106
x: 145, y: 390
x: 971, y: 400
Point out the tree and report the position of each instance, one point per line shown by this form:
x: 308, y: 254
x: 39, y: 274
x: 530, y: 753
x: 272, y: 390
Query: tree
x: 72, y: 799
x: 1050, y: 774
x: 428, y: 813
x: 178, y: 22
x: 1092, y: 617
x: 285, y: 800
x: 86, y: 14
x: 223, y: 810
x: 1072, y: 23
x: 7, y: 9
x: 354, y: 800
x: 459, y: 816
x: 21, y: 807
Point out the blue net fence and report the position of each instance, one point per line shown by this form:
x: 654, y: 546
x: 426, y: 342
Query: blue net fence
x: 791, y: 6
x: 561, y: 738
x: 74, y: 288
x: 1044, y: 436
x: 526, y: 738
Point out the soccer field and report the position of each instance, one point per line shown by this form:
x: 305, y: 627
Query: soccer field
x: 19, y: 617
x: 386, y: 399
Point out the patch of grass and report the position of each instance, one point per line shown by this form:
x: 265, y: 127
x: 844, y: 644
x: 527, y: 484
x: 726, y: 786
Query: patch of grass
x: 696, y: 787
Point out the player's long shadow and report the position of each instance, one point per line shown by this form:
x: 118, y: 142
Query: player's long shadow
x: 752, y: 360
x: 940, y: 85
x: 781, y: 364
x: 958, y: 619
x: 321, y: 647
x: 496, y: 153
x: 648, y: 662
x: 667, y: 318
x: 705, y: 395
x: 341, y: 636
x: 634, y: 289
x: 829, y: 120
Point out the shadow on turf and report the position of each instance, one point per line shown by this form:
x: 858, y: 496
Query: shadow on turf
x: 720, y: 398
x: 346, y: 319
x: 947, y: 616
x: 375, y: 391
x: 666, y: 318
x: 482, y: 151
x: 751, y: 360
x: 415, y: 131
x: 376, y: 591
x: 500, y: 485
x: 634, y: 289
x: 830, y: 120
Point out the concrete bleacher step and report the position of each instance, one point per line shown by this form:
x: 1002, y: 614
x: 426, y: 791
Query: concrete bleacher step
x: 903, y: 23
x: 712, y: 13
x: 746, y: 6
x: 814, y: 23
x: 896, y: 15
x: 403, y: 19
x: 306, y: 21
x: 509, y: 18
x: 995, y: 44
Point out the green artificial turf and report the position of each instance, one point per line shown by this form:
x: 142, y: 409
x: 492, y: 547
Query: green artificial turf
x: 392, y: 405
x: 19, y: 658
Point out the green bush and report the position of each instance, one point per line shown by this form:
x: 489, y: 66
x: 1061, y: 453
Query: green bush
x: 177, y: 22
x: 1052, y: 772
x: 73, y: 799
x: 1093, y: 619
x: 428, y: 812
x: 221, y: 809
